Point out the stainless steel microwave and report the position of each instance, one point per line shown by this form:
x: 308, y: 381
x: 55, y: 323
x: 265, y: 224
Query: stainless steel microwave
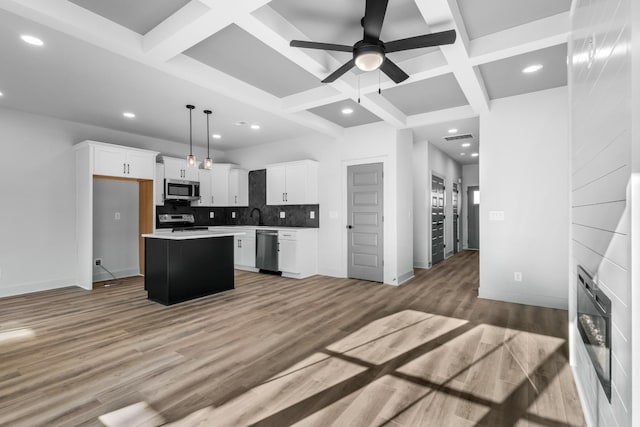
x: 176, y: 189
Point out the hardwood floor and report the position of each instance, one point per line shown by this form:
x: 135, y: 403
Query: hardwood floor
x: 276, y: 352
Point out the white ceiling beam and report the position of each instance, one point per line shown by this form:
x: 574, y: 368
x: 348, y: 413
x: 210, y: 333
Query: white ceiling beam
x: 441, y: 116
x: 312, y: 98
x: 193, y: 23
x: 525, y: 38
x: 442, y: 15
x: 271, y: 28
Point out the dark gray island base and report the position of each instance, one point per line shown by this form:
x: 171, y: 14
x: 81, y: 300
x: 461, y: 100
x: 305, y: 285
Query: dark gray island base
x: 180, y: 269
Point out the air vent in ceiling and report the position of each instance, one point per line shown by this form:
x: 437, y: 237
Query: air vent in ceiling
x: 458, y: 137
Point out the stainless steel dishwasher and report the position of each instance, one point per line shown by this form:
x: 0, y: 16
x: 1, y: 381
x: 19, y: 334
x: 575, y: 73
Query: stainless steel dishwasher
x: 267, y: 250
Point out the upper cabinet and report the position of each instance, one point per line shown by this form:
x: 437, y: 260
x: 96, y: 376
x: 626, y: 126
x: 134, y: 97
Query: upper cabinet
x: 175, y: 168
x: 159, y: 184
x: 229, y: 185
x: 206, y: 197
x: 238, y: 187
x: 292, y: 183
x: 122, y: 162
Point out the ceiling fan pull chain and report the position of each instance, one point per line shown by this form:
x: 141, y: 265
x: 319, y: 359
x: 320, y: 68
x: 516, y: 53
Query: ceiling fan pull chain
x: 358, y: 88
x: 379, y: 90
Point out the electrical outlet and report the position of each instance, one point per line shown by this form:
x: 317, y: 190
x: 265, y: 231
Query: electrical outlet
x: 212, y: 215
x: 98, y: 262
x: 517, y: 276
x: 117, y: 216
x: 312, y: 214
x: 282, y: 214
x: 233, y: 215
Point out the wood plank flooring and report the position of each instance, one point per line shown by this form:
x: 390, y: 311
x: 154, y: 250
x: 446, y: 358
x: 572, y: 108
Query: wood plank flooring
x: 275, y: 352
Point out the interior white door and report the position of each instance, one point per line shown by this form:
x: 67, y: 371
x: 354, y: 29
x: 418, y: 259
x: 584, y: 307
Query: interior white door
x: 365, y: 227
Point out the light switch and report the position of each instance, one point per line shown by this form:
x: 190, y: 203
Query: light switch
x: 233, y: 215
x: 117, y: 216
x: 496, y: 215
x: 212, y: 215
x: 282, y: 214
x: 312, y: 214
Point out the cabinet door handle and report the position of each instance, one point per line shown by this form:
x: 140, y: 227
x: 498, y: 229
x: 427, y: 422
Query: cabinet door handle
x: 128, y: 168
x: 124, y: 168
x: 286, y: 197
x: 283, y: 197
x: 278, y: 246
x: 236, y: 199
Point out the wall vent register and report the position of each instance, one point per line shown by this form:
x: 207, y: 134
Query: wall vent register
x: 594, y: 325
x: 458, y: 137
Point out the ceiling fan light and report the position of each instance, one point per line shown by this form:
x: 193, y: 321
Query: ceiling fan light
x: 369, y: 61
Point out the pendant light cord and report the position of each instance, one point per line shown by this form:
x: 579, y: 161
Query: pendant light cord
x: 190, y: 133
x: 208, y: 113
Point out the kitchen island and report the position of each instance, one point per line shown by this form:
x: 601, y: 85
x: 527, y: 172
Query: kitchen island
x: 180, y: 266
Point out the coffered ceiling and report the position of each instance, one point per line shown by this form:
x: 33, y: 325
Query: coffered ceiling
x: 234, y: 56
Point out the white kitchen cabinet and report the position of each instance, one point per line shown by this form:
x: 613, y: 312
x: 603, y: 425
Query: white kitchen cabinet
x: 159, y: 185
x: 292, y: 183
x: 220, y: 183
x: 206, y: 197
x: 298, y: 253
x: 123, y: 162
x: 175, y: 168
x: 245, y: 251
x: 238, y: 187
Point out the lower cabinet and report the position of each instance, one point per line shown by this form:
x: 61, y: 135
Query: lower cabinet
x: 245, y: 251
x: 298, y: 253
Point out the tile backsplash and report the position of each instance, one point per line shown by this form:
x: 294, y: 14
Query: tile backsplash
x: 294, y: 215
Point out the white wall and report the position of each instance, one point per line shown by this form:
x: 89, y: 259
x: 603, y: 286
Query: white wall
x: 470, y: 178
x: 603, y: 138
x: 373, y: 143
x: 115, y: 240
x: 405, y: 231
x: 524, y: 172
x: 38, y: 249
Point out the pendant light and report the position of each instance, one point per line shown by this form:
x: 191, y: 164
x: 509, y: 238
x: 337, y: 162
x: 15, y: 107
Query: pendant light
x: 208, y: 162
x: 191, y: 159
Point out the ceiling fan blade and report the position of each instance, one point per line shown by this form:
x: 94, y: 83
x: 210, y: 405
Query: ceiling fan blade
x: 393, y: 71
x: 427, y: 40
x: 323, y: 46
x: 340, y: 71
x: 373, y: 18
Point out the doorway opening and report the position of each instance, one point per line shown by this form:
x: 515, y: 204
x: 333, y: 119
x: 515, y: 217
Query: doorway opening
x: 438, y: 203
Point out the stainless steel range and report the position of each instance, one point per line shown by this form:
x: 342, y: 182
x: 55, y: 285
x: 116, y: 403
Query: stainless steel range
x: 179, y: 222
x: 594, y: 324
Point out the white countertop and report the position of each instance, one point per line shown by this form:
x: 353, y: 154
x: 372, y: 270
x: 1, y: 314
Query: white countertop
x: 187, y: 235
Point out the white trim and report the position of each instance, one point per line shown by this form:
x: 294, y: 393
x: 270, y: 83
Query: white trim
x: 524, y: 298
x: 405, y: 277
x: 27, y: 288
x: 101, y: 276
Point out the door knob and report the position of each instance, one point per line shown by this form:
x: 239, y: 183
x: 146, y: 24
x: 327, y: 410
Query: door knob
x: 349, y: 227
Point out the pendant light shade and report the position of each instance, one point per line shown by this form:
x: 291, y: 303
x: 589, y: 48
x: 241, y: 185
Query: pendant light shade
x: 191, y: 159
x: 208, y: 162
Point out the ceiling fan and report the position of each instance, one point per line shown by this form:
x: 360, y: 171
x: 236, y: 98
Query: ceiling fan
x: 369, y: 54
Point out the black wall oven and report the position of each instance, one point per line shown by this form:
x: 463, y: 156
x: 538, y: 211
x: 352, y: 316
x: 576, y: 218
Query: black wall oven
x: 594, y: 324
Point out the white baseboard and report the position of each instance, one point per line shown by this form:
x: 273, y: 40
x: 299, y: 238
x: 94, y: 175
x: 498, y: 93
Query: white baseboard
x: 127, y: 272
x: 522, y: 298
x: 421, y: 264
x: 27, y: 288
x: 405, y: 277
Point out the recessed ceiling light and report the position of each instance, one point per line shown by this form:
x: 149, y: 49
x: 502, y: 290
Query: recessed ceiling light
x: 462, y: 154
x: 532, y: 68
x: 474, y: 154
x: 453, y: 130
x: 216, y: 136
x: 240, y: 123
x: 1, y: 94
x: 466, y: 144
x: 129, y: 115
x: 347, y: 110
x: 32, y: 40
x: 255, y: 127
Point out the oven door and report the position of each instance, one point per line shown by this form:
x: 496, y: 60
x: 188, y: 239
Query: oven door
x: 181, y: 190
